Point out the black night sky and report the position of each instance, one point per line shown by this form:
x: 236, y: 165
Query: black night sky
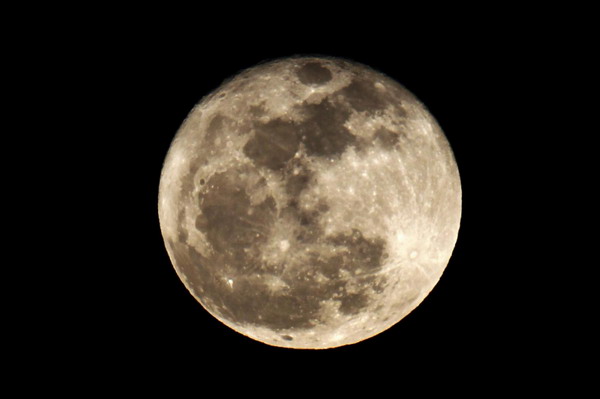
x: 464, y: 315
x: 134, y: 87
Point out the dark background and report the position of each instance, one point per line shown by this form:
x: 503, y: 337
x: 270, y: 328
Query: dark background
x: 126, y: 85
x: 471, y: 314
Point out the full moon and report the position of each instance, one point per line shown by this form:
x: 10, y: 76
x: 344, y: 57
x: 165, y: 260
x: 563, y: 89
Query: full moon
x: 310, y: 202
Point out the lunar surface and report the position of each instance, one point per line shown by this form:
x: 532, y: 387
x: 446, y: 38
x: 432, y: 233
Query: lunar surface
x: 310, y: 202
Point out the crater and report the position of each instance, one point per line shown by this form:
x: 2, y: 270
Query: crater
x: 257, y: 110
x: 314, y: 73
x: 287, y: 338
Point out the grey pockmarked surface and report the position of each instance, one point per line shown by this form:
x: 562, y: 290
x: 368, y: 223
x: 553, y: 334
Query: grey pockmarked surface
x: 310, y: 202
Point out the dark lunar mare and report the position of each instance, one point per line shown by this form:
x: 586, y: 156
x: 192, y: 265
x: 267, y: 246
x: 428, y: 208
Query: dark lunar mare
x: 322, y: 129
x: 322, y: 132
x: 237, y: 231
x: 313, y: 73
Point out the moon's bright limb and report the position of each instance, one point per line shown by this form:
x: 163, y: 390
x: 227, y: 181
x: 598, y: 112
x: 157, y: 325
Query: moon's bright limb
x: 310, y: 202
